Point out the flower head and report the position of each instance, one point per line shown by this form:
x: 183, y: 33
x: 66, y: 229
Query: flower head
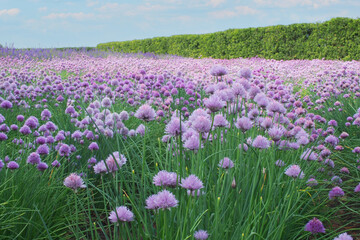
x: 122, y: 214
x: 165, y: 179
x: 226, y: 163
x: 145, y: 112
x: 293, y: 171
x: 74, y: 182
x: 315, y: 226
x: 201, y: 235
x: 192, y: 182
x: 336, y: 192
x: 343, y: 236
x: 161, y: 200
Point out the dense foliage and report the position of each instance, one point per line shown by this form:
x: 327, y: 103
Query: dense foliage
x: 338, y: 38
x: 135, y: 147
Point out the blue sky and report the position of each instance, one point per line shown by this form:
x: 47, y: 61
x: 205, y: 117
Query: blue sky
x: 62, y: 23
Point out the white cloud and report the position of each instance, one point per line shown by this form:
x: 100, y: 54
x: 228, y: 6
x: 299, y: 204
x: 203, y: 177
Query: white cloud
x: 90, y: 3
x: 43, y: 9
x: 215, y: 3
x: 294, y: 3
x: 9, y: 12
x: 77, y: 16
x: 238, y: 11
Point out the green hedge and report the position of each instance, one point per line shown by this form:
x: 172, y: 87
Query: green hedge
x: 338, y: 38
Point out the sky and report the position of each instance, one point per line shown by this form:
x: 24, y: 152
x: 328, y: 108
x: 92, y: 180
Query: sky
x: 79, y: 23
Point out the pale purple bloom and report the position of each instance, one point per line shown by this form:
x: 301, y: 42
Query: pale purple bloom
x: 145, y: 112
x: 336, y: 192
x: 245, y: 73
x: 161, y: 200
x: 165, y: 179
x: 33, y: 158
x: 25, y: 130
x: 293, y: 171
x: 43, y: 149
x: 173, y: 127
x: 42, y: 166
x: 280, y: 163
x: 315, y: 226
x: 343, y: 236
x: 140, y: 129
x: 220, y: 121
x: 122, y: 214
x: 93, y: 146
x: 214, y: 103
x: 243, y: 124
x: 226, y: 163
x: 74, y: 182
x: 1, y: 164
x: 218, y: 71
x: 192, y: 182
x: 6, y: 104
x: 55, y: 163
x: 192, y: 143
x: 12, y: 165
x: 3, y: 136
x: 202, y: 124
x: 113, y: 163
x: 100, y: 167
x: 311, y: 182
x: 357, y: 188
x: 261, y: 142
x: 276, y: 132
x: 201, y: 235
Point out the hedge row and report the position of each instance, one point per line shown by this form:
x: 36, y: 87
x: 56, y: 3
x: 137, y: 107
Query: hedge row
x: 338, y: 38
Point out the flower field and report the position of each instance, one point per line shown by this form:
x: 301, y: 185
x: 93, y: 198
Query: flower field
x: 98, y: 145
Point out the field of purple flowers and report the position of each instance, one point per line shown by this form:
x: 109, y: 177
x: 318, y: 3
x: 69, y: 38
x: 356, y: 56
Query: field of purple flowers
x: 112, y: 146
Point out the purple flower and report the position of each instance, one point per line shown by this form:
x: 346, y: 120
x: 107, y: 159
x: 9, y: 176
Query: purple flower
x: 192, y: 143
x: 93, y: 146
x: 20, y: 118
x: 280, y: 163
x: 43, y: 149
x: 42, y: 166
x: 1, y: 164
x: 343, y: 236
x: 315, y: 226
x: 357, y: 188
x: 192, y: 182
x: 356, y: 150
x: 162, y: 200
x: 214, y: 103
x: 344, y: 170
x: 293, y: 171
x: 3, y: 136
x: 202, y: 124
x: 12, y: 165
x: 336, y: 192
x: 64, y: 150
x: 113, y: 163
x: 145, y: 112
x: 226, y: 163
x: 140, y: 130
x: 100, y: 167
x: 276, y: 132
x: 331, y: 139
x: 201, y: 235
x: 165, y: 179
x: 25, y: 130
x: 6, y: 104
x: 220, y: 121
x: 245, y: 73
x: 218, y: 71
x: 74, y: 182
x: 261, y: 142
x: 312, y: 182
x: 243, y: 124
x: 122, y: 214
x: 173, y: 127
x: 33, y: 158
x: 55, y: 163
x: 276, y: 107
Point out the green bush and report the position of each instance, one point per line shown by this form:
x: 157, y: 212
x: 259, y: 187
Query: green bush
x: 338, y: 38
